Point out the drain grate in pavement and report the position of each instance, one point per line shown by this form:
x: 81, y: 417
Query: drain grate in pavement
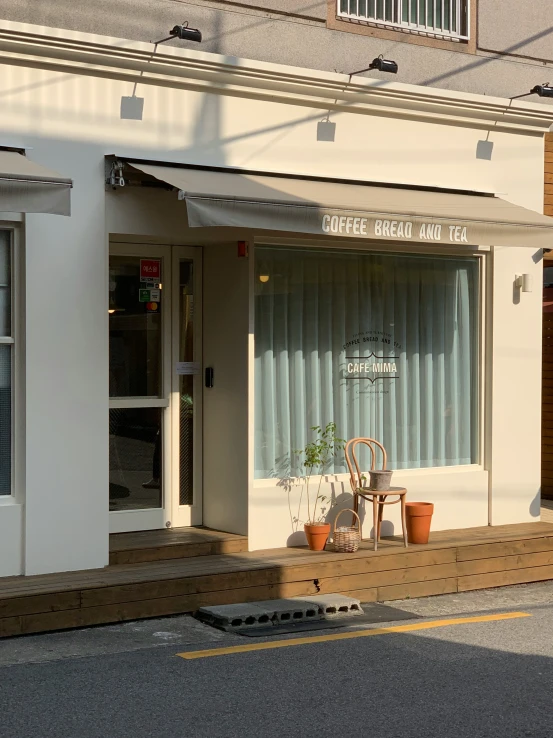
x: 273, y: 613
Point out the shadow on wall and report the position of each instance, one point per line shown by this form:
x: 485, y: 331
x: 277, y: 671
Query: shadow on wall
x: 481, y: 61
x: 340, y: 499
x: 535, y: 505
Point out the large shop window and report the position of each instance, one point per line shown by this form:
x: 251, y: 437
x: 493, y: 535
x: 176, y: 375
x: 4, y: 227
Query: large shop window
x: 383, y: 345
x: 6, y: 361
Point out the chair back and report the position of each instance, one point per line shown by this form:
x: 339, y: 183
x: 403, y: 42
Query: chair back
x: 355, y: 473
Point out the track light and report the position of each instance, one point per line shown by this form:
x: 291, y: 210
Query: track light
x: 384, y: 65
x: 381, y: 65
x: 542, y: 91
x: 184, y: 33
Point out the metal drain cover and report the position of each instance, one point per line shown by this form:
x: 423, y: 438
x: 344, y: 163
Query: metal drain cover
x: 269, y: 613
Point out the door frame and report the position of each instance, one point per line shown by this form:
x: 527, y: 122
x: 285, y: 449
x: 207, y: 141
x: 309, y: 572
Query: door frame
x: 170, y: 514
x: 185, y: 515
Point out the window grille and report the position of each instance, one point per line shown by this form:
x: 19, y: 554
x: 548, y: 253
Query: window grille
x: 441, y: 18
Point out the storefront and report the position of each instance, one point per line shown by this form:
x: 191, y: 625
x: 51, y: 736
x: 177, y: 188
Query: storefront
x: 226, y: 281
x: 367, y: 307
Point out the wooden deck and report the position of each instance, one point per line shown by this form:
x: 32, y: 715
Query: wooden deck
x: 454, y: 561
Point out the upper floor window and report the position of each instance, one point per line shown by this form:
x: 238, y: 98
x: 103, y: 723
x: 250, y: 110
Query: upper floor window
x: 438, y: 18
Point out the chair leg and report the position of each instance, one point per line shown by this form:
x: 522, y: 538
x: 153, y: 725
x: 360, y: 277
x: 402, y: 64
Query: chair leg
x: 404, y: 521
x: 380, y: 514
x: 375, y: 522
x: 356, y: 509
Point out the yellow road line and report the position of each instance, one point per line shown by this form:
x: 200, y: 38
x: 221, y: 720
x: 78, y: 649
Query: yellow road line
x: 266, y: 646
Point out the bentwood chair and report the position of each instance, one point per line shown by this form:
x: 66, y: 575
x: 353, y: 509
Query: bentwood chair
x: 360, y: 488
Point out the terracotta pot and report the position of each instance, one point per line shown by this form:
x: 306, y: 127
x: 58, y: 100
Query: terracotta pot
x: 380, y: 479
x: 317, y: 535
x: 419, y: 517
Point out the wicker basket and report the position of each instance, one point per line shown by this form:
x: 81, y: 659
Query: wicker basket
x: 347, y: 539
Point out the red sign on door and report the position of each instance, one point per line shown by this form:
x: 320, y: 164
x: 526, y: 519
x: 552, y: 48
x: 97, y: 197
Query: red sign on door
x: 150, y: 269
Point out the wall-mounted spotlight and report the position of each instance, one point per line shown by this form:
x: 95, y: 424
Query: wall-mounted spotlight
x: 381, y: 65
x: 384, y: 65
x: 524, y: 282
x: 542, y: 90
x: 182, y: 32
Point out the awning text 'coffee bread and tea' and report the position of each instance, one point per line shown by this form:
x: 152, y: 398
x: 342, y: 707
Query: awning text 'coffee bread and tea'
x: 349, y: 225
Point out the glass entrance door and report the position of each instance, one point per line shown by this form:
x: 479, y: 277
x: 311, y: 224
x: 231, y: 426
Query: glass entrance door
x: 154, y: 412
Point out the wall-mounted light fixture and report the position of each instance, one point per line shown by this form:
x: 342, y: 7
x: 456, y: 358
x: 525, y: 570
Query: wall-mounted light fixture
x: 182, y: 32
x: 264, y: 278
x: 544, y: 90
x: 524, y: 282
x: 384, y: 65
x: 380, y: 65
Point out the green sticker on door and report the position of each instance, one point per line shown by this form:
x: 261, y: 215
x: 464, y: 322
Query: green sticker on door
x: 144, y: 295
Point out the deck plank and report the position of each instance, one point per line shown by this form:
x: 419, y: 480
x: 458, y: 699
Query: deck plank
x: 172, y: 543
x: 504, y: 578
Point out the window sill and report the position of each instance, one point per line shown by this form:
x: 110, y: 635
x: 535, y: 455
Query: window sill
x: 400, y: 473
x: 407, y: 35
x: 9, y: 501
x: 382, y: 25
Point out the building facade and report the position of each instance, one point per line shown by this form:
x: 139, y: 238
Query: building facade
x: 260, y: 242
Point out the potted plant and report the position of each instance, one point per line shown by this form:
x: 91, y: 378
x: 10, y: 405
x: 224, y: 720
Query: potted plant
x: 316, y: 457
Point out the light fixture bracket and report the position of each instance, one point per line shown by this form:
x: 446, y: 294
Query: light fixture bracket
x: 116, y: 178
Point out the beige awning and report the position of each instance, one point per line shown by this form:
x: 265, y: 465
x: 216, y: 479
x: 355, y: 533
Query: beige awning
x: 26, y: 187
x: 334, y: 208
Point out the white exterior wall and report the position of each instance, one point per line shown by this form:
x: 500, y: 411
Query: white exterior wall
x: 66, y: 376
x: 225, y: 339
x: 71, y: 120
x: 11, y: 537
x: 460, y: 496
x: 515, y: 427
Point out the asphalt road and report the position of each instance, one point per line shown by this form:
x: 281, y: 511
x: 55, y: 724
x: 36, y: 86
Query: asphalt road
x: 469, y: 679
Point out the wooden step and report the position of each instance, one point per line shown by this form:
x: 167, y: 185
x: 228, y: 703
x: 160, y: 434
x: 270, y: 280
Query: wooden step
x: 453, y: 561
x: 173, y: 543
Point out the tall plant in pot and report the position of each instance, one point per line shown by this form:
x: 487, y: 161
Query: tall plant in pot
x: 316, y: 458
